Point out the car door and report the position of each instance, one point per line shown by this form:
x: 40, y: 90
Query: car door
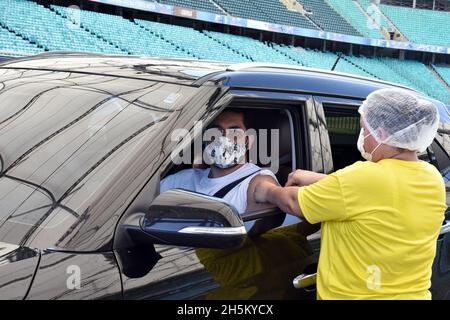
x: 75, y: 149
x: 264, y: 267
x: 438, y: 154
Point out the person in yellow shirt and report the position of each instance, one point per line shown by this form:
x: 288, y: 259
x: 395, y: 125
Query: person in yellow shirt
x: 381, y: 217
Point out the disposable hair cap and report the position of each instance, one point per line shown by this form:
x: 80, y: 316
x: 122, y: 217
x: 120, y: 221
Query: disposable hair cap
x: 397, y: 118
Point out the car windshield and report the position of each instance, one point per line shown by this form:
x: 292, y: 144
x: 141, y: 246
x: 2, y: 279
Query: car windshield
x: 65, y: 132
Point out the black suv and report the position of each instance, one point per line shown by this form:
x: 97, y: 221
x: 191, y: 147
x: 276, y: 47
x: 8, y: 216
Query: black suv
x: 85, y: 140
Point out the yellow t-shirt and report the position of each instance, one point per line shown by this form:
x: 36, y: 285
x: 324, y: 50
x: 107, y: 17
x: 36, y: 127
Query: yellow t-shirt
x: 380, y: 223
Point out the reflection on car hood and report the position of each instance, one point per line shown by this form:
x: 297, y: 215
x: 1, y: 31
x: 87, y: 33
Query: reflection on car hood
x: 58, y: 129
x: 158, y: 69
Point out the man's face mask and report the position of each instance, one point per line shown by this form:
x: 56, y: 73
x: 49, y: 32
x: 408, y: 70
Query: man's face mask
x: 226, y: 151
x: 360, y: 145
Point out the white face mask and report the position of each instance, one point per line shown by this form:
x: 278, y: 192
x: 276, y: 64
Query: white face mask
x: 360, y: 145
x: 224, y: 153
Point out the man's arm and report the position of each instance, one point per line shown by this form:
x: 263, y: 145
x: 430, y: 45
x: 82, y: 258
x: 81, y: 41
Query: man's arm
x: 286, y: 198
x: 264, y: 189
x: 267, y: 223
x: 290, y: 205
x: 252, y: 204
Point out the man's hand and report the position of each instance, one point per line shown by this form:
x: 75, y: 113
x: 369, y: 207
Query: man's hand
x: 303, y: 178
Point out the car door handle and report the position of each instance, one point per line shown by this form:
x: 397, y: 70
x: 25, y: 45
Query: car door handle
x: 304, y: 281
x: 445, y: 228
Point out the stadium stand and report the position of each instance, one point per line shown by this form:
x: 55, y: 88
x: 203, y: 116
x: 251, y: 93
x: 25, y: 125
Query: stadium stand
x: 202, y: 5
x: 327, y: 18
x: 48, y: 30
x: 379, y: 69
x: 444, y: 72
x: 27, y: 27
x: 411, y: 73
x: 308, y: 57
x: 123, y: 34
x: 255, y: 50
x: 267, y: 10
x: 420, y: 25
x: 371, y: 9
x: 199, y: 44
x: 348, y: 9
x: 11, y: 42
x: 421, y: 77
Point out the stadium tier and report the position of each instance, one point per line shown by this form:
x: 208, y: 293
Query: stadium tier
x: 39, y: 26
x: 357, y: 18
x: 202, y: 5
x: 9, y: 41
x: 420, y: 25
x: 27, y: 27
x: 128, y: 37
x: 268, y: 10
x: 411, y: 73
x: 444, y: 72
x: 254, y: 49
x: 192, y: 41
x: 327, y: 18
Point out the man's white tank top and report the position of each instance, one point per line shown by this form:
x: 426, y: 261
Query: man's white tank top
x: 197, y: 180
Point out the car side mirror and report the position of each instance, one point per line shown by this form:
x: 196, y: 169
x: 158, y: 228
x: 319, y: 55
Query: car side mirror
x: 182, y: 218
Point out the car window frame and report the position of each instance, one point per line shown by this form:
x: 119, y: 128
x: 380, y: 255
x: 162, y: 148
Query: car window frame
x: 320, y: 101
x: 297, y: 114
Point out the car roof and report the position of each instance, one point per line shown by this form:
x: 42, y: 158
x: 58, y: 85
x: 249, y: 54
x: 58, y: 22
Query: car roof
x: 198, y: 72
x: 185, y: 71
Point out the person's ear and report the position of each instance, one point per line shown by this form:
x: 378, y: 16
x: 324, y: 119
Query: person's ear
x: 382, y: 134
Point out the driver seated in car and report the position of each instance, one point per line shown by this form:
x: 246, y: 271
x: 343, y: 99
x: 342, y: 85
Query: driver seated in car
x: 227, y: 156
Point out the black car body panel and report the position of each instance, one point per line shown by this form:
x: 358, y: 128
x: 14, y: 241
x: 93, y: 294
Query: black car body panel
x: 17, y: 269
x: 84, y: 140
x: 75, y: 276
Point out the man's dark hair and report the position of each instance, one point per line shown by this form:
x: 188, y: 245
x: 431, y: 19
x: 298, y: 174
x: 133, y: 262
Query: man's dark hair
x: 244, y: 113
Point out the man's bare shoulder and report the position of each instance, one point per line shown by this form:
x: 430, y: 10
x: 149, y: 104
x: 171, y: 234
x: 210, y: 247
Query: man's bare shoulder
x: 261, y: 178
